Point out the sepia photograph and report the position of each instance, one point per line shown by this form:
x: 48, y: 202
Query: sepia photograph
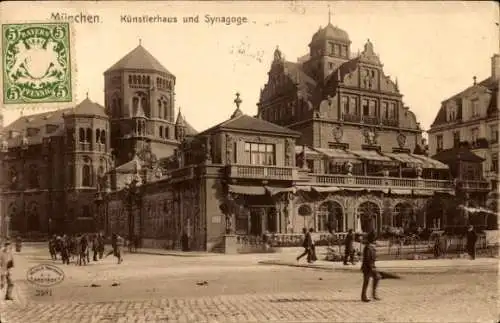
x: 249, y: 161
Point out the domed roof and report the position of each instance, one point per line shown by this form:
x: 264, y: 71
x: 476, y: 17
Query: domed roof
x: 88, y: 108
x: 330, y: 32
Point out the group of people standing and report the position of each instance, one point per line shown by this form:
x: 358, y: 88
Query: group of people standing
x: 79, y: 247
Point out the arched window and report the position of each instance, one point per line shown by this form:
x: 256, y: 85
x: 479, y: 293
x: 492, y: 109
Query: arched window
x: 369, y: 214
x: 166, y: 112
x: 103, y: 137
x: 148, y: 79
x: 13, y: 180
x: 33, y: 218
x: 87, y: 174
x: 330, y: 216
x: 33, y: 178
x: 82, y: 135
x: 160, y: 109
x: 135, y: 105
x: 161, y: 132
x: 130, y: 79
x: 144, y: 79
x: 97, y: 136
x: 89, y: 135
x: 14, y: 218
x: 167, y: 132
x: 144, y: 105
x: 403, y: 216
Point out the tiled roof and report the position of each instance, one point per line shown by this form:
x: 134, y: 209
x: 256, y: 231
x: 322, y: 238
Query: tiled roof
x: 36, y: 121
x: 457, y: 153
x: 139, y: 59
x: 88, y: 107
x: 248, y: 123
x: 490, y: 83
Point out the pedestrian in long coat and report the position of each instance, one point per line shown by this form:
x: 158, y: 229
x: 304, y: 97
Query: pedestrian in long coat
x: 369, y: 269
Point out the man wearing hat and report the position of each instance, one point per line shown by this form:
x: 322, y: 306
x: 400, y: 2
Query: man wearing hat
x: 6, y: 263
x: 368, y: 268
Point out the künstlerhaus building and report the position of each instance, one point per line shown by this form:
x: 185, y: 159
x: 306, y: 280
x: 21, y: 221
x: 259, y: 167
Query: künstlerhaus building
x: 333, y: 146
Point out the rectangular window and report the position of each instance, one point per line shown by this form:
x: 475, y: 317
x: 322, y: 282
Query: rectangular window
x: 474, y: 134
x: 366, y: 110
x: 345, y: 104
x: 494, y: 165
x: 344, y: 51
x: 475, y: 108
x: 260, y: 154
x: 385, y: 110
x: 439, y: 142
x: 494, y: 134
x: 373, y: 107
x: 392, y: 111
x: 456, y: 138
x: 353, y: 106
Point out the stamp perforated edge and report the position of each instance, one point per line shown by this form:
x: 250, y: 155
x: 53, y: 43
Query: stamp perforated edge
x: 40, y: 107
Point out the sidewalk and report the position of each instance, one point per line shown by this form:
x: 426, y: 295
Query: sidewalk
x: 398, y: 266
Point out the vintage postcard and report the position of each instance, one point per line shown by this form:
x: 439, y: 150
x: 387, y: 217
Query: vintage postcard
x: 278, y: 161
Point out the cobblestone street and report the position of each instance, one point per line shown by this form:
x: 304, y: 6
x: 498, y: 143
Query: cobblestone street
x: 237, y: 289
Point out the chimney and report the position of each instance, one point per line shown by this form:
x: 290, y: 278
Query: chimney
x: 495, y: 66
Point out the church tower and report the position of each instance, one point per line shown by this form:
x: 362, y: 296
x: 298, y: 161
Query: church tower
x: 140, y: 102
x: 329, y: 48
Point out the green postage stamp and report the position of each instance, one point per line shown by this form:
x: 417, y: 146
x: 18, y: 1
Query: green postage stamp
x: 37, y: 63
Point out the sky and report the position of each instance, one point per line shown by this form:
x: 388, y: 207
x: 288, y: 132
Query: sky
x: 433, y: 48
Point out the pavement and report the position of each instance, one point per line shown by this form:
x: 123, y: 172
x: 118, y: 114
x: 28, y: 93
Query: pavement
x: 236, y: 288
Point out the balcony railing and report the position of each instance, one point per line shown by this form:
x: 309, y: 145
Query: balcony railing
x: 474, y: 185
x: 373, y: 181
x: 262, y: 172
x: 351, y: 118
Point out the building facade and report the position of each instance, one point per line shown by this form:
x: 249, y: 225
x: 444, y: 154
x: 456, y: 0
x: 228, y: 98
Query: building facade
x: 471, y: 118
x: 332, y: 148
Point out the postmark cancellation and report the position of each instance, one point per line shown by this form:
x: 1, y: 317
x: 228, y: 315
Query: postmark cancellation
x: 39, y: 66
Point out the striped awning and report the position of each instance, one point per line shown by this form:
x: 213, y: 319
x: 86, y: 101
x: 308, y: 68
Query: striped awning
x: 276, y: 190
x: 303, y: 188
x: 247, y: 190
x: 326, y: 189
x: 309, y: 151
x: 430, y: 163
x: 339, y: 154
x: 406, y: 159
x: 372, y: 156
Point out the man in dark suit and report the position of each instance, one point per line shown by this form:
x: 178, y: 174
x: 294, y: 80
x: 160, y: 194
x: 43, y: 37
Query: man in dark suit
x: 368, y: 268
x: 306, y: 244
x: 349, y: 247
x: 471, y: 242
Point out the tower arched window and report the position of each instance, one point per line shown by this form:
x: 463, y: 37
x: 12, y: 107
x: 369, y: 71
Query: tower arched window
x: 87, y: 173
x: 167, y: 132
x: 148, y: 80
x: 135, y: 105
x: 161, y: 131
x: 160, y: 109
x: 33, y: 179
x: 89, y: 135
x: 166, y: 111
x: 103, y: 137
x: 97, y: 136
x: 144, y: 105
x: 81, y: 135
x: 144, y: 79
x: 130, y: 79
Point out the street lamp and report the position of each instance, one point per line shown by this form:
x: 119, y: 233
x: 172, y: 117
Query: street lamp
x: 4, y: 218
x: 131, y: 195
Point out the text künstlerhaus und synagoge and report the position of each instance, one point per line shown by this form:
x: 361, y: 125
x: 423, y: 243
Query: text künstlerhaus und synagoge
x: 332, y: 146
